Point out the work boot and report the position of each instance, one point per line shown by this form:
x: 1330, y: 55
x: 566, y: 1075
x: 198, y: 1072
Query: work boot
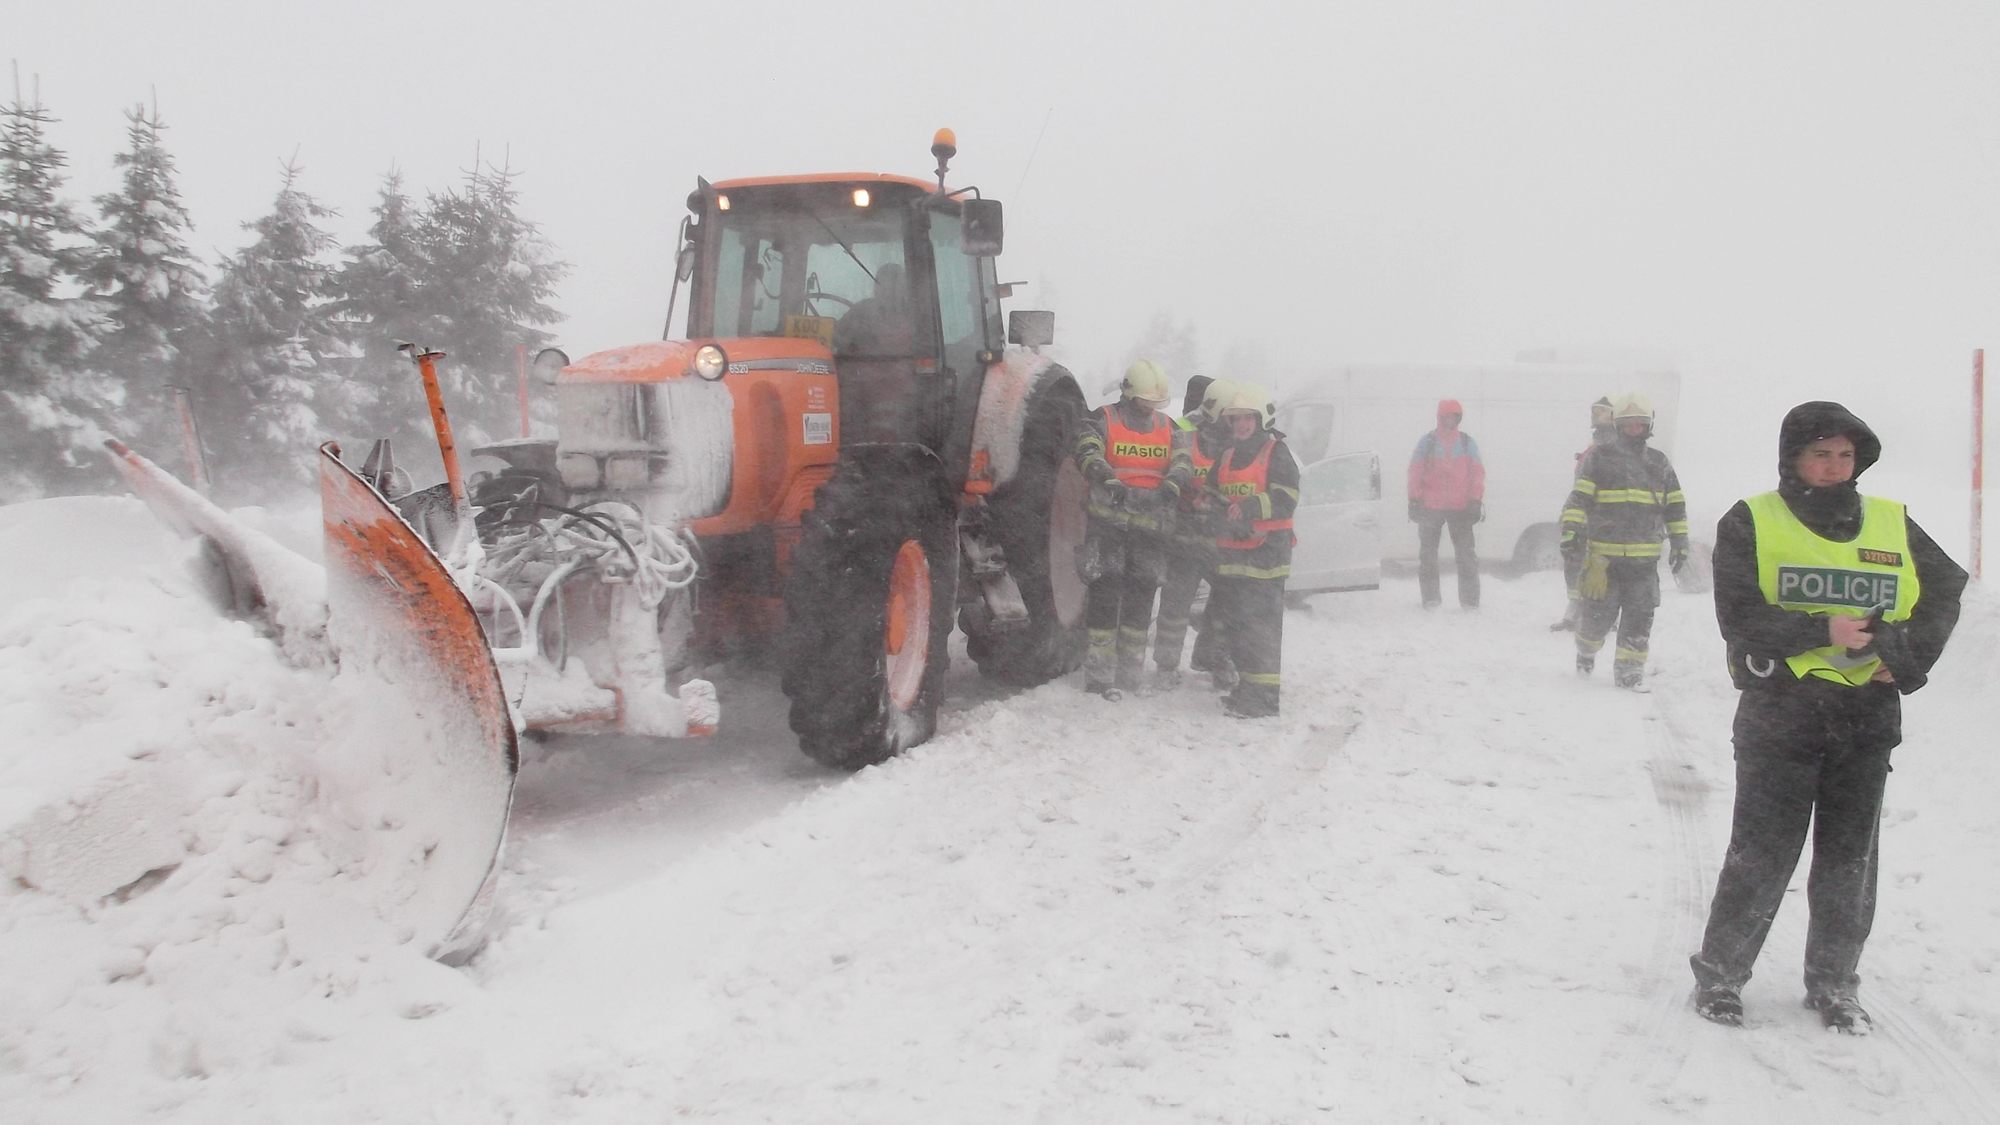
x: 1167, y: 679
x: 1719, y: 1003
x: 1224, y: 675
x: 1631, y: 680
x: 1840, y: 1012
x: 1109, y: 692
x: 1585, y: 665
x: 1237, y: 707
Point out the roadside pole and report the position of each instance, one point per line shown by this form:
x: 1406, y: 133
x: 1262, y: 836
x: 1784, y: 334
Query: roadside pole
x: 1978, y: 460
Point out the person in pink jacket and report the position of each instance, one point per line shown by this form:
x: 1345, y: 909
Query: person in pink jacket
x: 1447, y: 490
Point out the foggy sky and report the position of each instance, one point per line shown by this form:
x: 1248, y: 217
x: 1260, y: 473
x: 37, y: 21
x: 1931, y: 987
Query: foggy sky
x: 1792, y: 200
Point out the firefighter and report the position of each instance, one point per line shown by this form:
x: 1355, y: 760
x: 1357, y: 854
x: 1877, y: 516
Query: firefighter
x: 1833, y: 605
x: 1255, y: 476
x: 1191, y: 560
x: 1626, y: 498
x: 1136, y: 472
x: 1447, y: 490
x: 1601, y: 432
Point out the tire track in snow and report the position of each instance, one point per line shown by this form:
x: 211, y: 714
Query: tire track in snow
x: 1177, y: 883
x: 1686, y: 1066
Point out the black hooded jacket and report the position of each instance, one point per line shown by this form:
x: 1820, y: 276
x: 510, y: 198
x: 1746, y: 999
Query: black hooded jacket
x: 1754, y: 627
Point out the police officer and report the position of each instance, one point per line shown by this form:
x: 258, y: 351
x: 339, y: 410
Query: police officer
x: 1834, y: 605
x: 1191, y: 560
x: 1626, y: 497
x: 1136, y: 474
x: 1256, y: 476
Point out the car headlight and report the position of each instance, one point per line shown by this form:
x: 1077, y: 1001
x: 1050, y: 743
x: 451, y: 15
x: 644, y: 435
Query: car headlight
x: 579, y: 471
x: 710, y: 363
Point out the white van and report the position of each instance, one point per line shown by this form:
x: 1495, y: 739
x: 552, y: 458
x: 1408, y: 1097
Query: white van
x: 1530, y: 420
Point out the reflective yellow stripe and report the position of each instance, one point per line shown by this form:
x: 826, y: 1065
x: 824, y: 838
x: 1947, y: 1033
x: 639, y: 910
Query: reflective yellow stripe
x: 1628, y: 496
x: 1586, y: 486
x: 1261, y: 679
x: 1677, y: 527
x: 1234, y: 570
x: 1625, y: 550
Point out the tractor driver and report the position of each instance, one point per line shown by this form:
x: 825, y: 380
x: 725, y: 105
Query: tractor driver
x: 882, y: 324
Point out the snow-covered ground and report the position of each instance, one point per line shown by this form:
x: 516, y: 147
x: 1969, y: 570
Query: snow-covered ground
x: 1451, y: 884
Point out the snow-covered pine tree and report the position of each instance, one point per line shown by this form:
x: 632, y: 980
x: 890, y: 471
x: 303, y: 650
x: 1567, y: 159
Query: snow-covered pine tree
x: 53, y: 407
x: 380, y: 299
x: 150, y: 283
x: 489, y: 274
x: 268, y: 370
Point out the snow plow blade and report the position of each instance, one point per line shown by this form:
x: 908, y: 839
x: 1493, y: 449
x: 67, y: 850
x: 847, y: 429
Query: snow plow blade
x: 418, y: 782
x: 398, y: 616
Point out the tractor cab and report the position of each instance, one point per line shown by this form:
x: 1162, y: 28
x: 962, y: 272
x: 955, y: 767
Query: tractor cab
x: 893, y: 278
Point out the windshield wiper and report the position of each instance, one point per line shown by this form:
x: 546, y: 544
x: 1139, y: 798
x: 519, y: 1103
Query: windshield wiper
x: 843, y: 244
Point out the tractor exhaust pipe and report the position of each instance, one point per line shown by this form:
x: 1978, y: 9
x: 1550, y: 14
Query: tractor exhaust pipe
x: 461, y: 505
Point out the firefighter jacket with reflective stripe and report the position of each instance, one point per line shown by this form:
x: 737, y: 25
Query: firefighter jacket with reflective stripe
x: 1262, y: 484
x: 1199, y: 510
x: 1799, y: 570
x: 1446, y: 474
x: 1626, y: 496
x: 1144, y: 460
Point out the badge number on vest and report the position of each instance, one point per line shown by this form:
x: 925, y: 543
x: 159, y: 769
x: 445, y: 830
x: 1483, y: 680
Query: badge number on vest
x: 1809, y: 585
x: 1880, y: 558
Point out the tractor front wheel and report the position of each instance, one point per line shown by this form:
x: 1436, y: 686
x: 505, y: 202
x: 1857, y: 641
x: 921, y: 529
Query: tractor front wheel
x: 868, y: 607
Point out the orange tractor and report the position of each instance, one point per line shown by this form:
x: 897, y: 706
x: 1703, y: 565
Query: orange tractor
x: 842, y: 458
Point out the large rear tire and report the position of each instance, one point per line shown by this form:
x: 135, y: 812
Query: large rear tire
x: 1038, y: 520
x: 868, y: 607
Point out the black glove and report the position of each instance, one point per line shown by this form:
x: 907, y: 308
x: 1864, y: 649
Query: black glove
x: 1416, y: 506
x: 1677, y: 558
x: 1117, y: 493
x: 1892, y: 644
x: 1475, y: 511
x: 1572, y: 547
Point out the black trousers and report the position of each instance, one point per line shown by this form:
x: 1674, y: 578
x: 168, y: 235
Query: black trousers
x: 1826, y: 782
x: 1251, y: 614
x: 1629, y: 603
x: 1464, y: 556
x: 1124, y: 570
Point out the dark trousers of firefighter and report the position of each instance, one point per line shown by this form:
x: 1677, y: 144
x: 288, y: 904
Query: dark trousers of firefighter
x: 1124, y: 569
x: 1187, y: 568
x: 1631, y: 595
x: 1464, y: 556
x: 1838, y: 793
x: 1251, y: 614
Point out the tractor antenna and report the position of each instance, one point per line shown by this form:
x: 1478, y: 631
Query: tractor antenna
x: 1030, y: 165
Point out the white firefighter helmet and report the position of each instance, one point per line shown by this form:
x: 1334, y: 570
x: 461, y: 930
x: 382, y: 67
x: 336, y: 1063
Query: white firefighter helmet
x: 1632, y: 407
x: 1249, y: 398
x: 1145, y: 380
x: 1601, y: 412
x: 1213, y: 398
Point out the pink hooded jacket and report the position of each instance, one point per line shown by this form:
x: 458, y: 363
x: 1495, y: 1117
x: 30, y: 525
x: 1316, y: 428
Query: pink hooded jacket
x: 1446, y: 474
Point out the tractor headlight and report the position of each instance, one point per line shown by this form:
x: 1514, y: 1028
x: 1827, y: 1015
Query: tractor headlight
x: 579, y: 471
x: 710, y: 363
x: 627, y: 471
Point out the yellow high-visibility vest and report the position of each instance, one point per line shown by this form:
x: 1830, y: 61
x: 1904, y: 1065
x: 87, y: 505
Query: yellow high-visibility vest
x: 1799, y: 569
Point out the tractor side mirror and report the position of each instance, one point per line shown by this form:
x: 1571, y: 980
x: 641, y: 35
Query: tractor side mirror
x: 1031, y: 328
x: 981, y: 234
x: 684, y: 264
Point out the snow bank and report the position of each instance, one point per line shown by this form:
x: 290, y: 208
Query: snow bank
x: 168, y: 825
